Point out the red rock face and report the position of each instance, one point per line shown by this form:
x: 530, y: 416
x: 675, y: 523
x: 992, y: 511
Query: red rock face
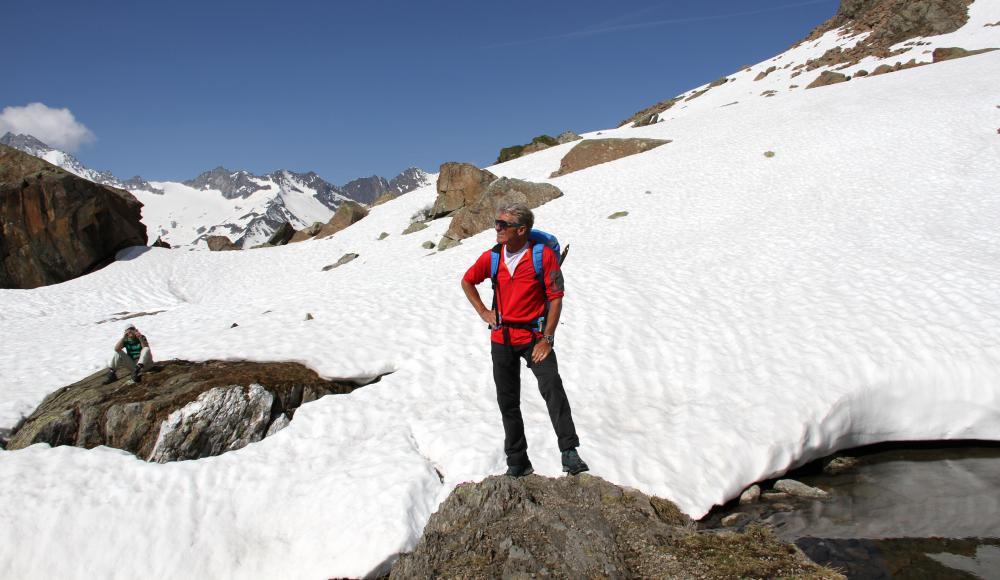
x: 57, y: 226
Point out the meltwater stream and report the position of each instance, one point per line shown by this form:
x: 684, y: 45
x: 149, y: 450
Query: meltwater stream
x: 919, y: 511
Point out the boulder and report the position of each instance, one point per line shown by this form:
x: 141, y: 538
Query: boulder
x: 537, y: 144
x: 220, y: 244
x: 57, y: 226
x: 592, y: 152
x: 306, y: 233
x: 479, y: 216
x: 750, y: 495
x: 349, y: 212
x: 828, y: 78
x: 799, y: 489
x: 584, y: 527
x: 179, y: 410
x: 459, y: 185
x: 281, y: 235
x: 414, y: 227
x: 159, y: 243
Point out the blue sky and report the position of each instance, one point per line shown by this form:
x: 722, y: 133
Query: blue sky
x: 349, y: 89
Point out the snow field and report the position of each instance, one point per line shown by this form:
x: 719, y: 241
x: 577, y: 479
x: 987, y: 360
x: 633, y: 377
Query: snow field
x: 749, y: 314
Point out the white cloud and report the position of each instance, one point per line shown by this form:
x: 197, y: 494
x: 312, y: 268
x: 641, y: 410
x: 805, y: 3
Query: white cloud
x: 55, y: 127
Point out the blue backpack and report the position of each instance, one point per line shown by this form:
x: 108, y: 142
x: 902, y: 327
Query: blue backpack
x: 540, y: 240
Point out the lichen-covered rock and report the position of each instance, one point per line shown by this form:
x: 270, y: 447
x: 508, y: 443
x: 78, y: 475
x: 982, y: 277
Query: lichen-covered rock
x: 459, y: 185
x: 479, y: 216
x: 56, y: 226
x: 592, y: 152
x: 180, y: 409
x: 584, y: 527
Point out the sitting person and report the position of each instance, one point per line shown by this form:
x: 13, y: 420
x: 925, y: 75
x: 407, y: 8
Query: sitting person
x: 131, y: 353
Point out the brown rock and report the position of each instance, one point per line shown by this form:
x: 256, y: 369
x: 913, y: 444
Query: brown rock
x: 220, y: 244
x: 459, y: 185
x: 881, y: 70
x: 306, y: 233
x: 479, y: 216
x: 941, y: 54
x: 130, y: 416
x: 762, y: 74
x: 596, y: 151
x: 348, y: 212
x: 56, y: 226
x: 827, y: 78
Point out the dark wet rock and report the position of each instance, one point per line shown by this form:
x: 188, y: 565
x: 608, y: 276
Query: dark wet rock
x: 56, y: 226
x: 459, y: 185
x: 220, y: 244
x: 828, y: 78
x: 281, y: 236
x: 583, y: 527
x: 343, y: 260
x: 479, y: 215
x: 592, y: 152
x: 159, y: 243
x: 799, y: 489
x: 840, y: 465
x: 179, y: 410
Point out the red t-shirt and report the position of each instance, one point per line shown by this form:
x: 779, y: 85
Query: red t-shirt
x: 520, y: 296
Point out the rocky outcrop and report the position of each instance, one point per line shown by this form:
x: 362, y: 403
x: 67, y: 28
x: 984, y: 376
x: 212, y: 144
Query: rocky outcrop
x: 459, y: 185
x: 220, y: 244
x: 538, y: 143
x: 650, y: 114
x: 179, y: 410
x: 596, y: 151
x: 347, y: 214
x: 57, y: 226
x: 888, y: 22
x: 479, y: 215
x: 281, y: 236
x: 584, y: 527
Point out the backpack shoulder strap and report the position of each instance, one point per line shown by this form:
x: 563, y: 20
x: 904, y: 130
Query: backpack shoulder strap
x: 495, y: 262
x: 537, y: 250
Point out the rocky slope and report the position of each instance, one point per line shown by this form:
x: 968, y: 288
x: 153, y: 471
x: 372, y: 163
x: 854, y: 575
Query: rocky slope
x: 57, y: 226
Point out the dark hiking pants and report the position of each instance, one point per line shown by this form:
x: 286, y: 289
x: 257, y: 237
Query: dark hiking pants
x: 507, y: 376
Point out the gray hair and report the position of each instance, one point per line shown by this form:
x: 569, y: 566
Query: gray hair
x: 520, y: 212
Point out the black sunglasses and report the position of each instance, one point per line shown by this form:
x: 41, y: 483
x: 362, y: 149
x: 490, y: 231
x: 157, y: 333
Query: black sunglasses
x: 501, y: 224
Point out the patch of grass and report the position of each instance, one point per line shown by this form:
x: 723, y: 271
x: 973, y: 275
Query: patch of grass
x: 756, y: 553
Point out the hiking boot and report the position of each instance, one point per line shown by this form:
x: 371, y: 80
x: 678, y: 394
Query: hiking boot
x: 135, y: 373
x: 110, y: 378
x: 519, y: 470
x: 572, y: 464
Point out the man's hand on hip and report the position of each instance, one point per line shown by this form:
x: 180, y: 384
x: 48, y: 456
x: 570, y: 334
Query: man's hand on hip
x: 489, y: 317
x: 541, y: 351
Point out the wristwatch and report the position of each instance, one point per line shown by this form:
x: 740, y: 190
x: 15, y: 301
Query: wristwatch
x: 549, y: 338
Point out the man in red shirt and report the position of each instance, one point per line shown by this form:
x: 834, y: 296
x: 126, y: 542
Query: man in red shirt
x: 520, y: 302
